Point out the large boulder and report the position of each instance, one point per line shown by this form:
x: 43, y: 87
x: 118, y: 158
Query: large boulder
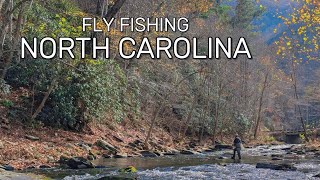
x: 188, y: 152
x: 7, y: 167
x: 317, y: 176
x: 223, y: 146
x: 121, y: 155
x: 285, y: 167
x: 148, y: 154
x: 105, y: 145
x: 171, y: 152
x: 79, y: 163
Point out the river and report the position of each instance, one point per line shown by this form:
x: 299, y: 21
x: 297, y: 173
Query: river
x: 211, y: 165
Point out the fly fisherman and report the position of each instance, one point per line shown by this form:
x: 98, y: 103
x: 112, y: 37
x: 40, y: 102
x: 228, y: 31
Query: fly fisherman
x: 237, y: 143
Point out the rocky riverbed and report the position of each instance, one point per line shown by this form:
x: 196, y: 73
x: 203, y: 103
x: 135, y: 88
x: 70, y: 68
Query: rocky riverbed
x: 261, y: 162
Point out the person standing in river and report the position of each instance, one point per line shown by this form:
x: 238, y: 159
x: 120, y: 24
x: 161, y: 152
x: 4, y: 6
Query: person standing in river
x: 237, y: 143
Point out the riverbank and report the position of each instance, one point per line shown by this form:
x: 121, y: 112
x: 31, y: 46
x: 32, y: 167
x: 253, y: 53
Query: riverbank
x: 22, y: 148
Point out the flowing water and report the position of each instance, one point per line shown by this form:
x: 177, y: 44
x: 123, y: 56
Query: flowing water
x: 215, y: 165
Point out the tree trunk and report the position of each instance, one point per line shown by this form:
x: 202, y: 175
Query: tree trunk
x: 189, y: 116
x: 44, y: 100
x: 260, y: 106
x: 216, y: 117
x: 114, y: 9
x: 294, y: 79
x: 14, y: 43
x: 152, y: 124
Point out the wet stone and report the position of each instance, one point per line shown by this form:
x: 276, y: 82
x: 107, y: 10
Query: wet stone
x: 44, y: 167
x: 7, y: 167
x: 123, y: 155
x: 286, y: 167
x: 33, y: 138
x: 187, y: 152
x: 148, y: 154
x: 79, y: 163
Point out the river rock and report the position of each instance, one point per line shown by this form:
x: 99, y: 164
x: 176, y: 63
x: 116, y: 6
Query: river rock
x: 100, y: 167
x: 169, y: 154
x: 91, y: 158
x: 33, y: 138
x: 276, y: 159
x: 105, y: 145
x: 222, y: 146
x: 276, y: 155
x: 222, y: 157
x: 317, y: 176
x: 222, y: 164
x: 85, y: 147
x: 44, y: 167
x: 63, y: 159
x: 148, y: 154
x: 208, y: 150
x: 31, y: 167
x: 158, y: 153
x: 286, y: 167
x: 79, y: 163
x: 136, y: 144
x: 106, y: 156
x: 172, y: 150
x: 286, y: 149
x: 132, y: 145
x: 116, y: 178
x: 7, y: 167
x: 188, y: 152
x: 120, y: 155
x: 300, y: 152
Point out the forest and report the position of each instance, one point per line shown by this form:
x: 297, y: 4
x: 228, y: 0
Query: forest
x: 121, y: 77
